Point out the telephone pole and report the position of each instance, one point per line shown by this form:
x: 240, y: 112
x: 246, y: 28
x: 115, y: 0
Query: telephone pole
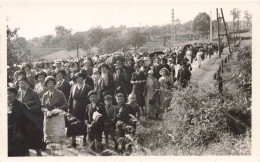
x: 172, y: 29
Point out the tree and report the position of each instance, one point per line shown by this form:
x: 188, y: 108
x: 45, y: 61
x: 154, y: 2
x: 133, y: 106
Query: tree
x: 137, y: 38
x: 62, y: 31
x: 47, y: 41
x: 201, y: 23
x: 18, y: 49
x: 111, y: 44
x: 76, y: 42
x: 248, y: 18
x: 236, y: 15
x: 95, y: 36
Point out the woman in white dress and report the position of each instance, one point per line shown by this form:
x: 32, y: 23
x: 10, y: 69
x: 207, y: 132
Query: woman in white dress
x: 198, y: 57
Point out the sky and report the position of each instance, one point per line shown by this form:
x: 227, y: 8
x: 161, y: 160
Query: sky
x: 39, y: 19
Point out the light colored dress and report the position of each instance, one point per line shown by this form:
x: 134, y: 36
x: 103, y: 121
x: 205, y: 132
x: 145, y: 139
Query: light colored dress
x: 198, y: 56
x: 165, y: 95
x: 151, y: 86
x: 188, y: 55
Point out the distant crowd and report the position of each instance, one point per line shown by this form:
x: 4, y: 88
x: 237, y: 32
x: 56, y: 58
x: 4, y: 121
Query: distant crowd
x: 92, y: 96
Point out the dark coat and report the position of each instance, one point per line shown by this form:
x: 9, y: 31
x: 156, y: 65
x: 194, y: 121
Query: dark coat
x: 32, y: 100
x: 183, y: 76
x: 78, y: 101
x: 65, y: 88
x: 104, y: 89
x: 18, y: 138
x: 89, y: 81
x: 124, y: 112
x: 96, y: 126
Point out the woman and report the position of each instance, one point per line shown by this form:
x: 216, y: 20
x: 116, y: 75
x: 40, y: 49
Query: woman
x: 62, y: 84
x: 30, y: 98
x: 198, y: 57
x: 118, y: 79
x: 165, y: 84
x: 95, y: 77
x: 105, y: 83
x: 88, y: 68
x: 29, y: 74
x: 75, y: 66
x: 138, y: 80
x: 18, y: 119
x: 54, y: 104
x: 40, y: 88
x: 78, y: 101
x: 151, y: 100
x: 129, y: 68
x: 157, y: 66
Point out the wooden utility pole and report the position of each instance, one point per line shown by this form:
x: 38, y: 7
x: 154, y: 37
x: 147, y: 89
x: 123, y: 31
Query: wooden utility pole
x: 225, y: 34
x: 218, y: 35
x: 172, y: 29
x: 210, y: 36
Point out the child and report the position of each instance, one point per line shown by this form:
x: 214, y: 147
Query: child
x: 110, y: 125
x: 94, y: 119
x: 134, y: 105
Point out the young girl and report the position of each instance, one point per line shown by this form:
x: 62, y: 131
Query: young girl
x: 165, y: 84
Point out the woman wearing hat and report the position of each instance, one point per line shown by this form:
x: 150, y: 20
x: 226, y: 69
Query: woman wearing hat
x: 54, y: 104
x: 19, y: 118
x: 95, y: 77
x: 138, y: 80
x: 165, y: 85
x: 119, y: 79
x: 88, y: 68
x: 151, y: 88
x: 157, y: 66
x: 105, y: 83
x: 129, y: 68
x: 78, y: 101
x: 62, y: 84
x: 75, y: 66
x: 29, y: 74
x: 198, y: 57
x: 40, y: 87
x: 30, y: 98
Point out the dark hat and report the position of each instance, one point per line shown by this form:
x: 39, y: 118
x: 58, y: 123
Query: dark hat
x: 105, y: 65
x: 108, y: 97
x: 19, y: 72
x: 26, y: 64
x: 80, y: 74
x: 62, y: 71
x: 40, y: 73
x: 22, y: 79
x: 92, y: 93
x: 12, y: 90
x: 48, y: 78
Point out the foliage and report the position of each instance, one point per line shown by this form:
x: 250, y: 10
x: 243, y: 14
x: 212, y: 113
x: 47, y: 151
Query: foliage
x: 200, y: 121
x: 18, y: 49
x: 248, y: 18
x: 137, y: 38
x: 235, y: 13
x: 95, y: 36
x: 111, y: 44
x: 76, y: 42
x: 201, y: 23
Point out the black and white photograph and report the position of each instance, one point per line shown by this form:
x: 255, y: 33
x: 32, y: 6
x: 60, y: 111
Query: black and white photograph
x: 127, y: 78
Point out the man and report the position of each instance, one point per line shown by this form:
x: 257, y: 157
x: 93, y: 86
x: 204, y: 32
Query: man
x: 29, y: 97
x: 18, y: 119
x: 94, y: 119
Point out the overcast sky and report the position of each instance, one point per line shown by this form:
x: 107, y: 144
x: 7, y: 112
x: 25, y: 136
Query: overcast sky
x: 40, y: 19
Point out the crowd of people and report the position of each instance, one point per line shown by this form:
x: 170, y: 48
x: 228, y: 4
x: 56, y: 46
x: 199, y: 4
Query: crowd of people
x: 94, y: 95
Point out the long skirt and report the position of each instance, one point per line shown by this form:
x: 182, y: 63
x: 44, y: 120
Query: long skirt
x: 54, y: 128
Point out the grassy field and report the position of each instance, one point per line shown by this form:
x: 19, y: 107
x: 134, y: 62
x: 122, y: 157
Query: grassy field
x: 41, y: 52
